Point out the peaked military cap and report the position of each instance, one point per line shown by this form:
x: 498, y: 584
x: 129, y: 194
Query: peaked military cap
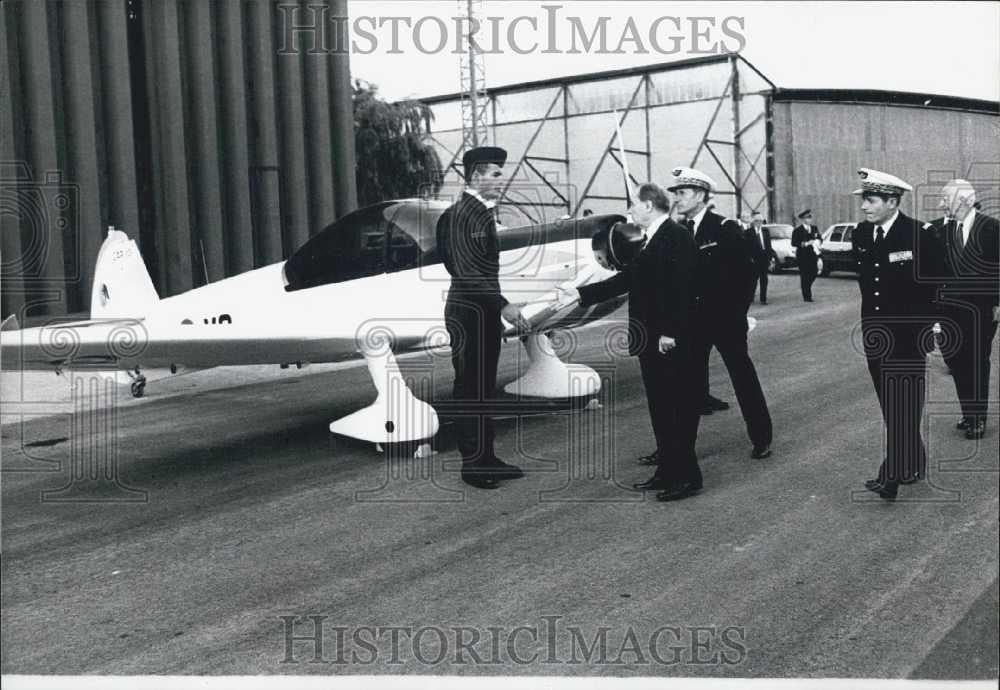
x: 483, y: 154
x: 878, y: 182
x: 689, y: 177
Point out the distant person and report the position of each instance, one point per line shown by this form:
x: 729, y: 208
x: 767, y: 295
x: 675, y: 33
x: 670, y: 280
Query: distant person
x: 806, y: 239
x: 725, y: 274
x: 970, y: 290
x: 467, y: 240
x: 896, y: 256
x: 587, y: 212
x: 759, y: 241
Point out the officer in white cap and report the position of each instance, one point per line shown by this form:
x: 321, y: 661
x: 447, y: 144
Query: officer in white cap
x: 724, y: 290
x: 897, y: 260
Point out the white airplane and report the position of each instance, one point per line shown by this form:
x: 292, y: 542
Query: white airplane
x: 369, y: 285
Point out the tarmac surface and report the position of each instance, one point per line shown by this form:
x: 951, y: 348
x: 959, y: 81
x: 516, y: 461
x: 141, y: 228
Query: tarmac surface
x: 239, y: 530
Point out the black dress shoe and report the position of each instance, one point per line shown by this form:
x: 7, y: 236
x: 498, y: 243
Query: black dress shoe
x: 713, y: 403
x: 480, y: 475
x: 977, y: 429
x: 912, y: 479
x: 678, y: 490
x: 503, y: 470
x: 761, y: 451
x: 654, y: 483
x: 964, y: 424
x: 887, y: 489
x: 651, y: 460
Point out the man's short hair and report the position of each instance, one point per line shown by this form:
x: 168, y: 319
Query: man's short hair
x: 650, y: 191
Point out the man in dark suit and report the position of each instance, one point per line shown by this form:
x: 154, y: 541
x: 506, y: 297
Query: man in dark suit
x: 968, y: 297
x: 806, y: 254
x: 896, y: 263
x: 723, y: 295
x: 660, y: 286
x: 467, y: 241
x: 759, y: 241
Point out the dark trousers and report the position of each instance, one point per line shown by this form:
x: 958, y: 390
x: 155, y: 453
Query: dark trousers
x: 760, y: 278
x: 807, y: 275
x: 729, y: 336
x: 475, y: 340
x: 898, y: 367
x: 669, y: 385
x: 968, y: 332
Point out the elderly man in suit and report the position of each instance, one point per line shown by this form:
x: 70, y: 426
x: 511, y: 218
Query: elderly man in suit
x: 759, y: 241
x: 969, y: 290
x: 804, y: 239
x: 467, y: 240
x: 660, y: 285
x: 897, y: 260
x: 724, y: 280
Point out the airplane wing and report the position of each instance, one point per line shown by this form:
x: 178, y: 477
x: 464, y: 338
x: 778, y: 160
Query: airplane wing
x: 128, y: 343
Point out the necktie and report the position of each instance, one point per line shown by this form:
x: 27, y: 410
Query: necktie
x: 690, y: 224
x: 879, y: 235
x: 959, y: 235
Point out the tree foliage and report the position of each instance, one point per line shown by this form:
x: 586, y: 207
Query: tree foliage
x: 394, y: 158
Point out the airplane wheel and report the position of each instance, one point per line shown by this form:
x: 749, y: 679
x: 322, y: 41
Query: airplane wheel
x: 138, y: 388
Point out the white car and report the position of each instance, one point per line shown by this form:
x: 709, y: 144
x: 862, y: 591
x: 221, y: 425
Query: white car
x: 782, y: 251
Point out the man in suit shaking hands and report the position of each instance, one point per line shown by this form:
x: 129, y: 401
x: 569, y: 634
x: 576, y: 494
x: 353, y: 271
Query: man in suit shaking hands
x: 660, y: 286
x: 470, y: 251
x: 969, y: 290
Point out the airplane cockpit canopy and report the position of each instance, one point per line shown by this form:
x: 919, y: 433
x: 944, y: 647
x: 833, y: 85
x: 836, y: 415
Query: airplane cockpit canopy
x: 382, y: 238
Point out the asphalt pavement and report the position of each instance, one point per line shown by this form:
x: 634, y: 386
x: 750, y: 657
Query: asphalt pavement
x: 230, y: 533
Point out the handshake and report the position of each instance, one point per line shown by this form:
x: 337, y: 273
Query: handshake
x: 567, y: 294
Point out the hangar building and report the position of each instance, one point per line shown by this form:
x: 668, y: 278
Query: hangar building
x: 770, y: 149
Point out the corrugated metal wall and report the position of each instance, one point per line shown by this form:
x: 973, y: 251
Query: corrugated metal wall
x: 819, y: 147
x: 177, y: 121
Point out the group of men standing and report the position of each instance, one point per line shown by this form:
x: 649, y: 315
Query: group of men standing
x: 707, y: 264
x: 913, y: 275
x: 689, y: 290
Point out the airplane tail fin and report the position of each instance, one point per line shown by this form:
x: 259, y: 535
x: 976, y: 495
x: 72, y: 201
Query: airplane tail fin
x: 122, y: 286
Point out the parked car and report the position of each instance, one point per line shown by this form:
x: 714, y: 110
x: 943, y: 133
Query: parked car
x: 837, y: 254
x: 782, y: 251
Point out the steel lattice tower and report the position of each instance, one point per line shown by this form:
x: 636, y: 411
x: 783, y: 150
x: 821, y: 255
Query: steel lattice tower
x: 473, y: 77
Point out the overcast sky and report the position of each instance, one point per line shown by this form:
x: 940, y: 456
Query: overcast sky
x: 950, y: 48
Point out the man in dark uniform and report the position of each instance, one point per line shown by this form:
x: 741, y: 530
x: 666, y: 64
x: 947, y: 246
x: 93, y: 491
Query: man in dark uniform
x: 660, y: 286
x: 968, y: 298
x: 759, y: 241
x: 723, y: 295
x: 467, y: 241
x: 896, y: 262
x: 806, y: 254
